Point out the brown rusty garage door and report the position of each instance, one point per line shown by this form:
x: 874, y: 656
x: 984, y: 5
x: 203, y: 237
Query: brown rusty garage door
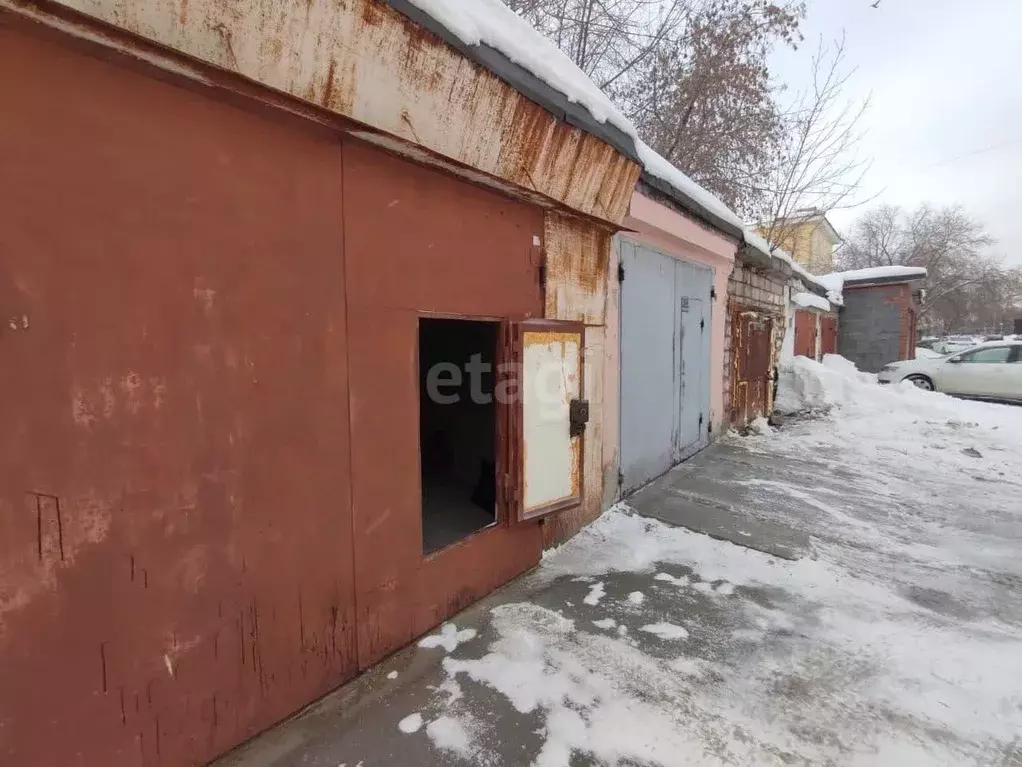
x: 805, y: 334
x: 751, y: 342
x: 417, y: 239
x: 828, y: 335
x: 175, y: 528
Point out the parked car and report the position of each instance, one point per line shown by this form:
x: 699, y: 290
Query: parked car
x: 992, y: 371
x: 953, y: 344
x: 927, y: 342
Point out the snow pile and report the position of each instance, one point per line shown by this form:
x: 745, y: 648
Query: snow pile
x: 811, y: 301
x: 808, y: 385
x: 492, y: 23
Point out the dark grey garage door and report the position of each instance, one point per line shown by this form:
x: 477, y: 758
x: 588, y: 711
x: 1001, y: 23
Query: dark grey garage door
x: 665, y: 361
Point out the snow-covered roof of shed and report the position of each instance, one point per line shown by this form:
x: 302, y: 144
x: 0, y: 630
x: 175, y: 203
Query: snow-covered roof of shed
x: 491, y: 34
x: 880, y: 274
x: 811, y: 301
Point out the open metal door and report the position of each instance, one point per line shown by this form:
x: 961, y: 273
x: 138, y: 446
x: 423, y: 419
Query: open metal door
x: 546, y: 417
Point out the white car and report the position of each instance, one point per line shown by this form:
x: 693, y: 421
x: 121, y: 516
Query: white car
x: 992, y: 371
x: 953, y: 344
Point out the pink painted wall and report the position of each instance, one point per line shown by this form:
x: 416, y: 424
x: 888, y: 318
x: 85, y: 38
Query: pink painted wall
x: 676, y: 235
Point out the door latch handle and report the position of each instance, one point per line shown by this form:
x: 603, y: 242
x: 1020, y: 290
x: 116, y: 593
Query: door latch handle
x: 578, y: 417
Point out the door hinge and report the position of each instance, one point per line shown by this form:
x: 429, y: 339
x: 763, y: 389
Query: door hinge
x: 709, y: 428
x: 713, y: 293
x: 702, y: 324
x: 542, y: 276
x: 700, y: 420
x: 620, y: 479
x: 620, y: 272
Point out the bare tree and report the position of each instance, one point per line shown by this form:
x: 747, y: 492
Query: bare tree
x: 691, y: 74
x: 607, y: 39
x: 819, y: 166
x: 704, y: 99
x: 966, y: 285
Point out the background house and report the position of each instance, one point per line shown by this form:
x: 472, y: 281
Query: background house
x: 808, y: 236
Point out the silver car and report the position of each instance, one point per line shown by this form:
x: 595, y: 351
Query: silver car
x: 992, y: 371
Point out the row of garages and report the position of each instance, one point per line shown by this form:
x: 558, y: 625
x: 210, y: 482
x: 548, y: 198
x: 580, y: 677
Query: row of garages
x: 318, y: 327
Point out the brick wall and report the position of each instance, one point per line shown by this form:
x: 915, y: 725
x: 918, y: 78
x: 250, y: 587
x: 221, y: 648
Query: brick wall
x: 758, y: 289
x: 876, y: 326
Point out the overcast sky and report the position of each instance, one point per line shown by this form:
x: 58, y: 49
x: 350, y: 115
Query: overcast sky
x: 945, y: 125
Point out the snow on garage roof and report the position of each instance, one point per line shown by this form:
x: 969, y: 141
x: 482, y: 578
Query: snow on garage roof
x: 811, y: 301
x: 837, y: 280
x: 492, y: 35
x: 811, y: 281
x: 479, y: 24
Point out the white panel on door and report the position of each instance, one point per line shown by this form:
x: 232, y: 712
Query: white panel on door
x: 551, y: 380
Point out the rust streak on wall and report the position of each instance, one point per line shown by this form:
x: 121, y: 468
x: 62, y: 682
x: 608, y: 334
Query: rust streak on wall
x: 365, y: 61
x: 576, y: 269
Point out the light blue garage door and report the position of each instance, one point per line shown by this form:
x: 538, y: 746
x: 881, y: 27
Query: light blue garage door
x: 665, y: 361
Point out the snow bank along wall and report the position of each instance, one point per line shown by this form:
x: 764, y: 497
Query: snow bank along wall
x: 209, y: 492
x: 660, y: 233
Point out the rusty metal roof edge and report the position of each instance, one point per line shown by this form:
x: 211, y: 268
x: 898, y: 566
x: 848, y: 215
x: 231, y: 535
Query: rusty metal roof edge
x: 526, y: 83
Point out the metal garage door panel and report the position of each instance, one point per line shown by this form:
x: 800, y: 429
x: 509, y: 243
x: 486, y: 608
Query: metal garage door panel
x: 692, y: 285
x: 648, y: 364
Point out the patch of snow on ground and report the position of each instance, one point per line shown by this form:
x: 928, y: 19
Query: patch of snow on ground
x: 596, y: 593
x: 668, y: 578
x: 636, y: 597
x: 585, y: 687
x: 453, y: 690
x: 392, y: 675
x: 605, y: 623
x: 665, y: 630
x: 449, y: 734
x: 449, y: 638
x: 411, y: 723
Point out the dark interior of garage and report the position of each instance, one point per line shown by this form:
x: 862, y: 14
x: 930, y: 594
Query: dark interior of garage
x: 457, y: 428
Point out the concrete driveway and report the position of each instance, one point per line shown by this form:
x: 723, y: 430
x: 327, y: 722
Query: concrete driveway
x: 854, y: 601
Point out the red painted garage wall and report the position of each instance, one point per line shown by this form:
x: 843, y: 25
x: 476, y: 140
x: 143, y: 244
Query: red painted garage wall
x: 176, y: 565
x: 418, y: 241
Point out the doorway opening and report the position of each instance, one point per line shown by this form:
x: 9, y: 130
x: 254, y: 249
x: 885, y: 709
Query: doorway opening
x: 457, y: 428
